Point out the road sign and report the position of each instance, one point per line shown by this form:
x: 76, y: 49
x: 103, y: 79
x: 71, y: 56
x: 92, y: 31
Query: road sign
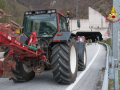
x: 106, y: 34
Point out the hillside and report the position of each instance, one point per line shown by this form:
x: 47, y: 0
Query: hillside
x: 17, y: 7
x: 103, y: 6
x: 13, y: 8
x: 17, y: 11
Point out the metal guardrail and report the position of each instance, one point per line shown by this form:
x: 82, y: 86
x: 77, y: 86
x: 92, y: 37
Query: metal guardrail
x: 111, y: 71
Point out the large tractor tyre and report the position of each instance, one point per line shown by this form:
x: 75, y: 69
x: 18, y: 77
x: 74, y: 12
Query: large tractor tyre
x: 82, y: 56
x: 23, y: 73
x: 65, y: 62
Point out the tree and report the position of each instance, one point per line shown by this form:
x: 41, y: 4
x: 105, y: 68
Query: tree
x: 4, y: 6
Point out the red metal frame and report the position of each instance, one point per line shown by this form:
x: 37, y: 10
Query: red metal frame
x: 60, y: 13
x: 58, y: 23
x: 18, y: 48
x: 58, y: 19
x: 33, y: 39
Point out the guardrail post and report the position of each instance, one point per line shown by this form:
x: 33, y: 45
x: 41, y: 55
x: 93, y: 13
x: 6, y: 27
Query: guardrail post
x: 116, y: 63
x: 109, y: 51
x: 116, y: 80
x: 111, y: 70
x: 110, y: 60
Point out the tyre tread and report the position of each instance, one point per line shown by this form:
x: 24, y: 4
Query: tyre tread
x: 60, y: 67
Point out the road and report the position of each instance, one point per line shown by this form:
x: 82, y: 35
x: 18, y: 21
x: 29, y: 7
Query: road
x: 86, y: 80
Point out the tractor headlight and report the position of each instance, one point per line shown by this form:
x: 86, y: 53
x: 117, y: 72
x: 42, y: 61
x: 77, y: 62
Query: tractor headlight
x: 26, y: 13
x: 37, y: 12
x: 53, y: 11
x: 30, y: 12
x: 49, y: 11
x: 41, y: 12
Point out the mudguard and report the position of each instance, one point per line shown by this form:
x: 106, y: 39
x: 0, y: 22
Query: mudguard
x: 63, y: 38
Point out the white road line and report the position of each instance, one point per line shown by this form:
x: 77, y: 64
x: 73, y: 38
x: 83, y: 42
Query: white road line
x: 70, y: 87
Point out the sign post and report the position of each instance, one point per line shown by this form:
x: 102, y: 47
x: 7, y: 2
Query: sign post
x: 116, y: 29
x: 115, y: 42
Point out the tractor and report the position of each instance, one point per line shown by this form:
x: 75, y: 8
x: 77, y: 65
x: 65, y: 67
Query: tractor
x: 44, y: 42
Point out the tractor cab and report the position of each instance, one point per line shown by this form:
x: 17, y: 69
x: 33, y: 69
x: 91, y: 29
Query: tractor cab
x: 44, y: 22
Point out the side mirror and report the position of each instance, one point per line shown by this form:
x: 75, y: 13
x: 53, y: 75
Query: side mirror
x: 78, y: 23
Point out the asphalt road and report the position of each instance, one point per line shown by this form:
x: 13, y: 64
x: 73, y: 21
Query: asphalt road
x: 86, y: 80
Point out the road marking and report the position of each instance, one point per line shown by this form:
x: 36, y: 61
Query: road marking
x: 70, y: 87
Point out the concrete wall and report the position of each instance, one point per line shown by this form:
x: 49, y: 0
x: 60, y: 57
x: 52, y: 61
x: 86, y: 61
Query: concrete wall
x: 84, y: 25
x: 95, y: 19
x: 73, y: 24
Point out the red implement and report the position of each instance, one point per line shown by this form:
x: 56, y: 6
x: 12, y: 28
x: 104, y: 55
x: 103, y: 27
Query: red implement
x: 18, y: 48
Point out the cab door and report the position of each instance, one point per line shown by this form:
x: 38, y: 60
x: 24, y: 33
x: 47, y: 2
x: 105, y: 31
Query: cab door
x: 62, y: 23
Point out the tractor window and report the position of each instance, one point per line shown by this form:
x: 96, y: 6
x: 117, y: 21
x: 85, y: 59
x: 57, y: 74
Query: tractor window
x: 62, y: 24
x: 29, y: 24
x: 45, y: 25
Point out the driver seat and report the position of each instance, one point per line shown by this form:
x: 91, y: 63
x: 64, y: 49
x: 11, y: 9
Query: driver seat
x: 42, y: 26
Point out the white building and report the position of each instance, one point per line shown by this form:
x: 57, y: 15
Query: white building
x: 95, y: 23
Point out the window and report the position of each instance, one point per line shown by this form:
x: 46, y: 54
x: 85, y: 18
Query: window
x: 62, y: 24
x: 44, y: 25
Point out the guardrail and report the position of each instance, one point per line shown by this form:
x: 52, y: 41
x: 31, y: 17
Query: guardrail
x: 111, y: 70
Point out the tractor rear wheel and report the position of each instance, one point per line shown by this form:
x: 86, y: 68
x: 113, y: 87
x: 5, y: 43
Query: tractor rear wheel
x: 82, y: 56
x: 65, y: 62
x: 23, y: 73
